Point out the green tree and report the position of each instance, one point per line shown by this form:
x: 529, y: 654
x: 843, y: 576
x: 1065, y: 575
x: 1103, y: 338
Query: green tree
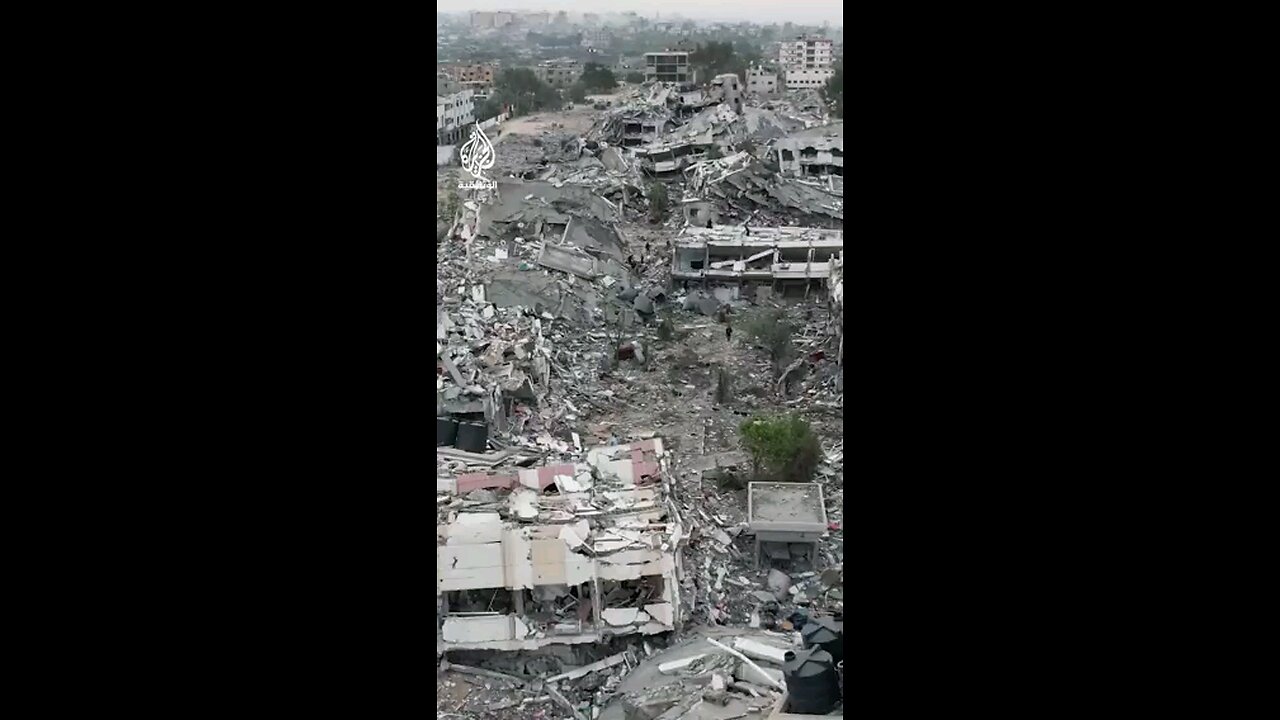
x: 486, y: 109
x: 773, y: 332
x: 833, y: 91
x: 783, y: 446
x: 524, y: 92
x: 657, y: 201
x: 577, y: 93
x: 598, y: 78
x: 635, y: 77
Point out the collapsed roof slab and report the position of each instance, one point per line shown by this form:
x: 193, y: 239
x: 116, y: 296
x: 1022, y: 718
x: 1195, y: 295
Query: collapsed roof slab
x: 786, y: 507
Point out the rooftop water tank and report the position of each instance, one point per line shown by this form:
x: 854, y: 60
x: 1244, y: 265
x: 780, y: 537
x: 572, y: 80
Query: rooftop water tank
x: 812, y: 685
x: 826, y: 634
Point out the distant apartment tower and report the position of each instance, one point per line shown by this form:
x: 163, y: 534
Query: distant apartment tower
x: 476, y: 73
x: 805, y: 53
x: 490, y: 19
x: 672, y: 67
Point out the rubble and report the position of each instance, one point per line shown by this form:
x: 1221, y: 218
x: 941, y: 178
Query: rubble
x: 607, y: 530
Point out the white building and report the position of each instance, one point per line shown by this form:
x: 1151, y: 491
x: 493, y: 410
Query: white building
x: 453, y: 114
x: 806, y: 53
x: 811, y: 79
x: 762, y: 81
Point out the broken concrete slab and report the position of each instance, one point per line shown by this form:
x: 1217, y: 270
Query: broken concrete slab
x: 569, y: 260
x: 779, y: 583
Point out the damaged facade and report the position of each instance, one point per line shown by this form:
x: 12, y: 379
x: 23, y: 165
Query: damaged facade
x: 667, y: 67
x: 565, y: 554
x: 787, y: 259
x: 811, y: 156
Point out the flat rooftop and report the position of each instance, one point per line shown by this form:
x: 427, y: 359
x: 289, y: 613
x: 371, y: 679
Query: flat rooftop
x: 786, y: 507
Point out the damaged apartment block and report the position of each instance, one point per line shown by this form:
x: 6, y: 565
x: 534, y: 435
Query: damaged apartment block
x: 729, y: 260
x: 565, y: 554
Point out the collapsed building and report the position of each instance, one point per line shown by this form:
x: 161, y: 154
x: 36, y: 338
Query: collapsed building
x: 564, y: 554
x: 742, y: 186
x: 790, y: 261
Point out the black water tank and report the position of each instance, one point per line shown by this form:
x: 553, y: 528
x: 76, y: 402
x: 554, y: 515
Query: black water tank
x: 812, y: 685
x: 446, y: 431
x: 826, y: 634
x: 472, y: 437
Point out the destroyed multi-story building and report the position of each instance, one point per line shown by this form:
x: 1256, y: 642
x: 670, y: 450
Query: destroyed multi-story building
x: 727, y: 89
x: 667, y: 67
x: 563, y: 554
x: 741, y: 185
x: 734, y: 260
x: 762, y: 81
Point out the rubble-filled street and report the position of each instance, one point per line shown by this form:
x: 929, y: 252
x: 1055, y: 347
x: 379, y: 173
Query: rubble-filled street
x: 652, y: 283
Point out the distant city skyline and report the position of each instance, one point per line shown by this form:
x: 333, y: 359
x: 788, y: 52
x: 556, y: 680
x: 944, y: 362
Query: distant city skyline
x: 812, y: 12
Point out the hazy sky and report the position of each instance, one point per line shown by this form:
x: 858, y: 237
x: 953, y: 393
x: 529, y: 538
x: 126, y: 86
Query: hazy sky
x: 760, y: 11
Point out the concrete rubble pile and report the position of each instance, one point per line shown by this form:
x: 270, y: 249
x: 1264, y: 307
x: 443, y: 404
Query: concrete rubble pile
x: 746, y: 187
x: 710, y: 675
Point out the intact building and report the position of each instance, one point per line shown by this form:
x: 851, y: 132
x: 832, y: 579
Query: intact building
x: 672, y: 67
x: 805, y: 53
x: 558, y: 73
x: 453, y: 114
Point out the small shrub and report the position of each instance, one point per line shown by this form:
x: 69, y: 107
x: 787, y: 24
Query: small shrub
x: 658, y: 201
x: 783, y: 446
x: 773, y: 332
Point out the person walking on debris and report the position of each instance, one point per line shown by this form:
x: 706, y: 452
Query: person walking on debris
x: 728, y: 331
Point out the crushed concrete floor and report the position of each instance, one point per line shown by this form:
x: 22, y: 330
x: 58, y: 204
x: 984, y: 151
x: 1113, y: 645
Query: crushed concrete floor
x: 565, y: 360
